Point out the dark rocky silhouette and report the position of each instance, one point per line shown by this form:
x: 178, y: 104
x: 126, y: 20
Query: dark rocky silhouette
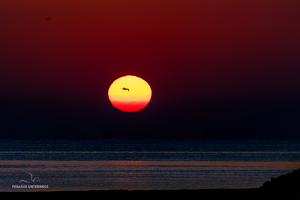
x: 289, y: 182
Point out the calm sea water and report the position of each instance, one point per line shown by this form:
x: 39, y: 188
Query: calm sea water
x: 143, y: 164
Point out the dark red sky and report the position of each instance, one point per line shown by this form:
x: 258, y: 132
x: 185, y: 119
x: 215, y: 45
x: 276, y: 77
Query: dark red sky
x: 231, y: 66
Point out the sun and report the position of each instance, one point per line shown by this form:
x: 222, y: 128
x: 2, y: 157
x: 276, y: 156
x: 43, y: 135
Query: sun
x: 129, y: 93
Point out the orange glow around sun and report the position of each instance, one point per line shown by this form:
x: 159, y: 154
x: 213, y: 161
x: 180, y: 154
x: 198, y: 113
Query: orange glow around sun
x: 129, y: 93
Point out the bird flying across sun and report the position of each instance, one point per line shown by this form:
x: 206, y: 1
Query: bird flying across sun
x: 133, y: 101
x: 49, y: 18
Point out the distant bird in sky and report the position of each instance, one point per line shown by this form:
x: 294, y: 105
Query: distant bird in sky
x: 49, y: 18
x: 125, y: 89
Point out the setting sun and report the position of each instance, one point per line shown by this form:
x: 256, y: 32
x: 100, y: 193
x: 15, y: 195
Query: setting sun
x: 129, y: 93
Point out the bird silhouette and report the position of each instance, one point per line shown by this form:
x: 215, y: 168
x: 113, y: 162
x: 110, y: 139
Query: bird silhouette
x: 31, y: 178
x: 125, y: 89
x: 49, y: 18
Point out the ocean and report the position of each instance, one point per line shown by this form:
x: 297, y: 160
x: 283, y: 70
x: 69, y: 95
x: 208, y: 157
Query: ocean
x: 73, y: 165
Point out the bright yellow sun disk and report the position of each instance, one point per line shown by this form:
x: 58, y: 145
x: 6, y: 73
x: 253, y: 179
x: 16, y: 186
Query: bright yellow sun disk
x: 136, y: 98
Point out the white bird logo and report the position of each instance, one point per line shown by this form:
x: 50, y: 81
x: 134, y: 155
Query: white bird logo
x: 31, y: 178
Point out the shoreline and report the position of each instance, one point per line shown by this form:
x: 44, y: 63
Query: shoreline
x: 283, y: 187
x: 253, y: 193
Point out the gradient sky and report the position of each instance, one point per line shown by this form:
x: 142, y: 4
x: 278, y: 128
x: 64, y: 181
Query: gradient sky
x: 232, y: 67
